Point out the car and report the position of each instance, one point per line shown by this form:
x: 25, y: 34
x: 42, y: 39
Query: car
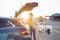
x: 45, y: 28
x: 12, y: 29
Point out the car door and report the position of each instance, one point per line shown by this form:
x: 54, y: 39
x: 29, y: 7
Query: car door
x: 6, y: 28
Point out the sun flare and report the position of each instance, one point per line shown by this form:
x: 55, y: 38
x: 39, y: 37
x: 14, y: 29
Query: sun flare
x: 24, y: 15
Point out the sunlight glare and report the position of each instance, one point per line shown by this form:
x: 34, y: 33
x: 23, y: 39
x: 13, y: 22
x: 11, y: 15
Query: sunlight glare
x: 25, y: 14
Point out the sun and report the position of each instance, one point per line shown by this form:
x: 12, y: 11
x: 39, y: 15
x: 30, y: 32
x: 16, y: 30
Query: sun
x: 24, y: 15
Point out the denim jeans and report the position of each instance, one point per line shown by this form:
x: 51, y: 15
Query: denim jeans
x: 33, y: 31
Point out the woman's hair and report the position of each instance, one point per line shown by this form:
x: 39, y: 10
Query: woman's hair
x: 31, y: 14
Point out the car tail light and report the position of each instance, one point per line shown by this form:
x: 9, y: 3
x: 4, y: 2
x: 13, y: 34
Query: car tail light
x: 25, y: 33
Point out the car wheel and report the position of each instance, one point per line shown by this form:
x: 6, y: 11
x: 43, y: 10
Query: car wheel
x: 48, y: 31
x: 12, y: 37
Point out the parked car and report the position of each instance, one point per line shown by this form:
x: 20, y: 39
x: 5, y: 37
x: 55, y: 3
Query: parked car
x: 11, y: 29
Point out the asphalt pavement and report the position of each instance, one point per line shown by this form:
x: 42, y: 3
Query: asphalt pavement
x: 55, y: 34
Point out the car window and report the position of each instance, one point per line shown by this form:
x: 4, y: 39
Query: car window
x: 4, y: 23
x: 16, y: 23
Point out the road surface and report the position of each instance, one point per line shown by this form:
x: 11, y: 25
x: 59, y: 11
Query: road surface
x: 55, y: 34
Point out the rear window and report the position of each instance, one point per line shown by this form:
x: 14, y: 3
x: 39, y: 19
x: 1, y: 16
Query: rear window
x: 16, y: 23
x: 4, y: 23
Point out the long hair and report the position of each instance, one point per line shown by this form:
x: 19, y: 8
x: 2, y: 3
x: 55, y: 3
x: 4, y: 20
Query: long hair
x: 30, y: 19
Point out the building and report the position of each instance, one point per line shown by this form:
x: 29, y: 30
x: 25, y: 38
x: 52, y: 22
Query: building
x: 55, y: 17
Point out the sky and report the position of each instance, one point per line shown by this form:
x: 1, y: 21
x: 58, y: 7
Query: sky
x: 45, y: 7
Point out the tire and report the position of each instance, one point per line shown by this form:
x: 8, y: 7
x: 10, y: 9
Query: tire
x: 48, y: 31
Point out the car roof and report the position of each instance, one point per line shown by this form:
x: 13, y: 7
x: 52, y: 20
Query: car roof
x: 7, y: 19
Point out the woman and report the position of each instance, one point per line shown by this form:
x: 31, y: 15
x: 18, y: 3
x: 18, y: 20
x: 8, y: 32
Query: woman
x: 32, y: 24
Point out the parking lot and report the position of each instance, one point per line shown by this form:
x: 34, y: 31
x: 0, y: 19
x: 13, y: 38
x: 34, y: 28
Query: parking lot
x: 55, y: 34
